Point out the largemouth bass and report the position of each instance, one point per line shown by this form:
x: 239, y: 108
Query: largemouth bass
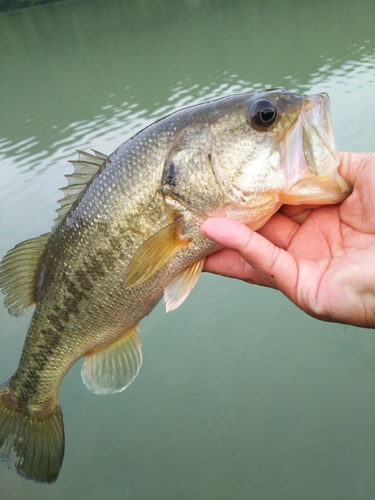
x: 127, y: 233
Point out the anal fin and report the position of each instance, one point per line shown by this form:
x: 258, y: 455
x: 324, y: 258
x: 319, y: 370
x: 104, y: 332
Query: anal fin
x: 178, y: 289
x: 115, y: 367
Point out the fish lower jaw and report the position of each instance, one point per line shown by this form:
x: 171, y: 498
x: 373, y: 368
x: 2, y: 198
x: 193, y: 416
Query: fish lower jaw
x: 316, y: 191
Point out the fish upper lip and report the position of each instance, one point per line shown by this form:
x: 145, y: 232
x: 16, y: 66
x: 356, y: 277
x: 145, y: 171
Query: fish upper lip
x: 311, y: 100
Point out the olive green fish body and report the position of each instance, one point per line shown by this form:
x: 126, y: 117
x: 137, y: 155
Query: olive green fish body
x: 127, y: 232
x: 81, y: 293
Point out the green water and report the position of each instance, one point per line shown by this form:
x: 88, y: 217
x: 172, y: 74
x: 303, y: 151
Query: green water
x: 241, y: 395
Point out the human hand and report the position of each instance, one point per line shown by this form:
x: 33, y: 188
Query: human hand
x: 322, y: 259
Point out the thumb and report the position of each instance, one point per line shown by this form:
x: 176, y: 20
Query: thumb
x: 275, y: 265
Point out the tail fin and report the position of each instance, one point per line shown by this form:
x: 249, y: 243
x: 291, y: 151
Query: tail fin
x: 34, y: 446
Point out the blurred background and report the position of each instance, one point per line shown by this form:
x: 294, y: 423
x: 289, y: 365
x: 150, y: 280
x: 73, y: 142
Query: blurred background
x: 241, y: 395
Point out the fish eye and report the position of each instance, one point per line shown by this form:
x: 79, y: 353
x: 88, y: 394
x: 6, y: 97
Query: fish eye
x: 263, y: 114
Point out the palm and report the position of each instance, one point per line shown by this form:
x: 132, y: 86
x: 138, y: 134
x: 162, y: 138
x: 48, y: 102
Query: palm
x: 323, y: 260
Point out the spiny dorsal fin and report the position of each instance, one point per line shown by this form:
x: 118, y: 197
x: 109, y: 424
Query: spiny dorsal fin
x: 18, y: 271
x: 85, y: 167
x: 19, y: 267
x: 115, y: 367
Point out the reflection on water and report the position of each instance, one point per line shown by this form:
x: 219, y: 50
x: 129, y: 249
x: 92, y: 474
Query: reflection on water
x: 240, y: 394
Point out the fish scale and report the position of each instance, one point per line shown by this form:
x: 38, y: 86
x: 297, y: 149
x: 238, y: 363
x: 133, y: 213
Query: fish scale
x: 127, y: 232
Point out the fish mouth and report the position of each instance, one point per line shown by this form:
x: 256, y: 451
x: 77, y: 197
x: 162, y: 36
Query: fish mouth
x: 308, y: 157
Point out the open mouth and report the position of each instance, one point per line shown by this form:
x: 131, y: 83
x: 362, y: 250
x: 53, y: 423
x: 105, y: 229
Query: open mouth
x: 308, y: 158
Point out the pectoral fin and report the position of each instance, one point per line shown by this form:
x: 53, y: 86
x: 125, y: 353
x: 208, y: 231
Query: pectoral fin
x: 115, y: 367
x: 154, y: 253
x: 178, y: 289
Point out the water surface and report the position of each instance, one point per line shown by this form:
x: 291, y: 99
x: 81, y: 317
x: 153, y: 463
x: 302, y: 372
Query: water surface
x: 240, y: 395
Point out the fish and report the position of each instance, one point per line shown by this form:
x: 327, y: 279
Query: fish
x: 127, y: 234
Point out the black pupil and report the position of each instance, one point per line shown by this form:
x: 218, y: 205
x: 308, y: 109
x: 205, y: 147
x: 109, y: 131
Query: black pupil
x: 263, y: 114
x: 267, y: 115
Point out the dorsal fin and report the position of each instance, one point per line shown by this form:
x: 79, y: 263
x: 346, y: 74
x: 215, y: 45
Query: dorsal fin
x: 18, y: 271
x: 85, y: 167
x: 19, y: 267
